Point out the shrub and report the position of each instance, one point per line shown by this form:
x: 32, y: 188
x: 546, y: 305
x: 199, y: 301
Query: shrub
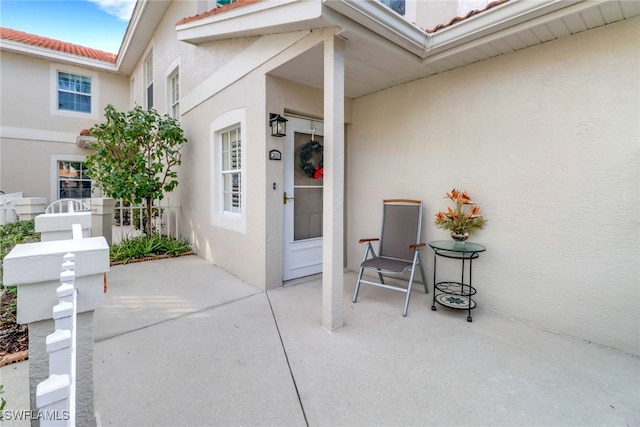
x: 148, y: 246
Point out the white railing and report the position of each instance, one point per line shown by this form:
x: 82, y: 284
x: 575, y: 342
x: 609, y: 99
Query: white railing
x: 129, y: 220
x: 7, y: 210
x: 56, y: 396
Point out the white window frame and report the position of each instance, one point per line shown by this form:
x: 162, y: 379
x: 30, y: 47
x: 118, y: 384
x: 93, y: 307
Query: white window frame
x: 235, y: 221
x: 55, y: 158
x: 173, y: 85
x: 147, y: 70
x: 53, y: 96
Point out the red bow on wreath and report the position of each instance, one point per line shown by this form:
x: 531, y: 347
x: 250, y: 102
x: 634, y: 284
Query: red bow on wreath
x: 318, y: 172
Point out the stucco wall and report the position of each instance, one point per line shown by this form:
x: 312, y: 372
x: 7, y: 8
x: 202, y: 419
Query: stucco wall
x: 547, y: 141
x: 30, y: 133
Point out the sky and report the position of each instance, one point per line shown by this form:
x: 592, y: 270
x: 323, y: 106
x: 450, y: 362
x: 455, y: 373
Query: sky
x: 98, y: 24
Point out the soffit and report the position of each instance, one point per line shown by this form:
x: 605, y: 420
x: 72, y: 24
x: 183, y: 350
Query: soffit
x: 384, y: 51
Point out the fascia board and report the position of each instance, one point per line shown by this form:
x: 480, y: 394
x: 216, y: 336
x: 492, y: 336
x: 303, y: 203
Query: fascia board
x: 146, y: 17
x: 260, y: 18
x: 56, y: 56
x: 499, y: 22
x: 378, y: 18
x: 503, y: 19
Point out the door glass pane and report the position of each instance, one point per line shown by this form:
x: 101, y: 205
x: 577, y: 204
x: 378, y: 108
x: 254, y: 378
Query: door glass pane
x: 308, y: 182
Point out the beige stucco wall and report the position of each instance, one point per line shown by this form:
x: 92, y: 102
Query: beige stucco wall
x: 30, y: 133
x: 255, y: 253
x: 547, y: 141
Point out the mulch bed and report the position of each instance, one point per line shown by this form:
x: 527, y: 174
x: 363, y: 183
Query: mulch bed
x: 14, y: 338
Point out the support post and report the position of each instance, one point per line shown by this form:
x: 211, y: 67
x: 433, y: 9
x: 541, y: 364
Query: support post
x: 333, y: 199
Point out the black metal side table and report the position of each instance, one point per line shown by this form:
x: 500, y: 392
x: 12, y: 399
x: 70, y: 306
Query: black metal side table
x: 455, y: 295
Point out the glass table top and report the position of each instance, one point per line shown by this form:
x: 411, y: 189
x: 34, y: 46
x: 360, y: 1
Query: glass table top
x: 453, y: 246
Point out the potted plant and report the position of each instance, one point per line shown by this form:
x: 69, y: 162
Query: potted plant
x: 462, y: 220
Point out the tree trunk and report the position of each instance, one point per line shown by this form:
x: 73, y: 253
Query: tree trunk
x: 147, y: 226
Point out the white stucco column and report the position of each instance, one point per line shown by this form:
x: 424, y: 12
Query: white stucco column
x: 333, y: 199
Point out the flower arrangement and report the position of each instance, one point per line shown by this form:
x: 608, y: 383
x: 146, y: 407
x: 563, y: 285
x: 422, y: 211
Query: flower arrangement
x: 463, y: 220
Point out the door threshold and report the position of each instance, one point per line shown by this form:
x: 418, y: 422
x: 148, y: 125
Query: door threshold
x: 304, y: 279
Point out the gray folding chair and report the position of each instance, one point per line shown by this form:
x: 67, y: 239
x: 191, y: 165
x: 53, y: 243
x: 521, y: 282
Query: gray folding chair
x: 399, y: 248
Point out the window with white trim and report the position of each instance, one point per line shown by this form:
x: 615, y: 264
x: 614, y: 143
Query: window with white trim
x: 173, y: 90
x: 148, y: 80
x: 74, y: 92
x: 231, y: 172
x: 73, y: 181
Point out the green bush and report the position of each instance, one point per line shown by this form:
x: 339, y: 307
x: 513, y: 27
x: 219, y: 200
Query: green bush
x: 14, y: 233
x: 11, y: 234
x: 148, y: 246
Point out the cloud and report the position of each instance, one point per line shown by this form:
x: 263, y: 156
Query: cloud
x: 121, y: 9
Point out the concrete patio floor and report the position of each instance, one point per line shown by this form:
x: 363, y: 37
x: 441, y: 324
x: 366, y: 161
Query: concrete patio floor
x: 180, y: 342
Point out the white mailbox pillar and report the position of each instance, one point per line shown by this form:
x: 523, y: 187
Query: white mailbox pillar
x: 58, y: 226
x: 35, y: 269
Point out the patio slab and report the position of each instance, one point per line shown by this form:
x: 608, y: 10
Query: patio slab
x: 180, y: 342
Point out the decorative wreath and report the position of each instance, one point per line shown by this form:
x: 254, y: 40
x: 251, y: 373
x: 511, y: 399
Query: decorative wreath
x: 311, y: 160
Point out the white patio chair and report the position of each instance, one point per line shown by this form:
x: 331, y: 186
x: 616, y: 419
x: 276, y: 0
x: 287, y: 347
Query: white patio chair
x: 68, y: 205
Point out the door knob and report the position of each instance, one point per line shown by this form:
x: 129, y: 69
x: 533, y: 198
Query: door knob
x: 285, y: 198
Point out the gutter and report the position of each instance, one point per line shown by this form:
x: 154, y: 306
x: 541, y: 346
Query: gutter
x: 502, y: 20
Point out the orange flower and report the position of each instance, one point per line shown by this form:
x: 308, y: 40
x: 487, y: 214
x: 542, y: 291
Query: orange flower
x: 460, y: 219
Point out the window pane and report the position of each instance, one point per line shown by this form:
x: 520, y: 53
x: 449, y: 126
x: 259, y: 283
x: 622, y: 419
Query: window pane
x: 72, y: 181
x: 231, y: 153
x: 232, y: 191
x: 74, y: 92
x: 150, y: 96
x: 397, y: 5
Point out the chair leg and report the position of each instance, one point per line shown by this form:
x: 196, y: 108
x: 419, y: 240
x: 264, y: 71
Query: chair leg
x: 424, y: 278
x: 355, y: 294
x: 413, y: 272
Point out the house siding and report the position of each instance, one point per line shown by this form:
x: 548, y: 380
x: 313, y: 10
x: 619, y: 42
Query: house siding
x: 546, y: 141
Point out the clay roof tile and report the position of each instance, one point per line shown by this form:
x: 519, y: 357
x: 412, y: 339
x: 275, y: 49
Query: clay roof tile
x: 58, y: 45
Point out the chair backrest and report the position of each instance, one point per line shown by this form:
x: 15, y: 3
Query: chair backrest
x: 68, y: 206
x: 401, y: 223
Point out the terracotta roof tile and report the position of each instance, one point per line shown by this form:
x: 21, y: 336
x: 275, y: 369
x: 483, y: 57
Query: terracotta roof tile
x: 221, y: 9
x: 60, y: 46
x: 467, y: 16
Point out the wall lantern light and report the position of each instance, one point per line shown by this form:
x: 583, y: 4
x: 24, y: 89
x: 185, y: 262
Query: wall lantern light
x: 278, y: 125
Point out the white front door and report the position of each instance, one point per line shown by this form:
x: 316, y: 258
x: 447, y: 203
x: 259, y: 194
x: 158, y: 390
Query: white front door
x: 302, y: 198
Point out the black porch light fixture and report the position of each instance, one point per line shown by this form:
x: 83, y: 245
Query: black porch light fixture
x: 278, y: 125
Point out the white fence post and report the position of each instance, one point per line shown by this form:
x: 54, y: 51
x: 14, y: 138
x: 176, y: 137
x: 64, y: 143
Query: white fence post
x: 8, y: 211
x: 56, y: 396
x: 53, y: 361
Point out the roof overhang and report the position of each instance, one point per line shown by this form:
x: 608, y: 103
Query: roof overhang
x: 56, y: 56
x: 255, y: 19
x: 145, y: 18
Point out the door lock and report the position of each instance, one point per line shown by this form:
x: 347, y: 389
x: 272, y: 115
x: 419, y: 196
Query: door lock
x: 285, y: 198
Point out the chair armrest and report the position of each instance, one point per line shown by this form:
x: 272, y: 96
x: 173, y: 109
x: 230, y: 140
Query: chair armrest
x: 373, y: 239
x: 417, y: 246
